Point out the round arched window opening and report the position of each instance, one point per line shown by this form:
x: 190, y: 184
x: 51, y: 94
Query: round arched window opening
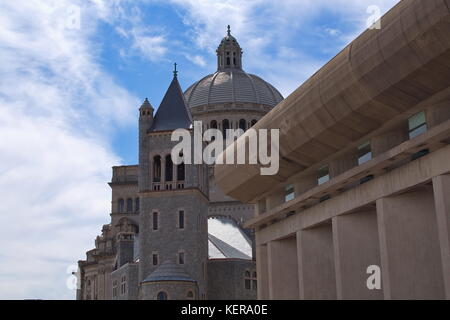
x: 161, y: 296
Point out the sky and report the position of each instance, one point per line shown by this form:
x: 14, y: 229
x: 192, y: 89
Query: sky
x: 73, y: 74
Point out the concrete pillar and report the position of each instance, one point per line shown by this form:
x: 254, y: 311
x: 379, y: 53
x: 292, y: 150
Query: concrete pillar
x: 356, y: 247
x: 316, y: 263
x: 282, y: 263
x: 262, y: 272
x: 409, y: 245
x: 441, y: 186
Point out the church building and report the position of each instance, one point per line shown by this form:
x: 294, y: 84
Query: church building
x: 173, y: 233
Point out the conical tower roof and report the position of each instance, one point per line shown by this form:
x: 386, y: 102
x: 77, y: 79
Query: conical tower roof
x: 173, y: 112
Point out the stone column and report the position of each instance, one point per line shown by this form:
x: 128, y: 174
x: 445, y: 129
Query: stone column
x: 441, y: 186
x: 409, y: 245
x: 282, y: 263
x: 316, y: 263
x: 356, y: 247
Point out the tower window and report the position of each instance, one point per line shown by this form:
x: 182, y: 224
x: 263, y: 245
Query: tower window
x: 137, y: 204
x: 181, y: 219
x: 161, y: 296
x: 180, y: 257
x: 129, y: 205
x: 181, y: 172
x: 169, y: 168
x: 155, y: 220
x: 228, y: 61
x: 155, y: 259
x: 121, y: 205
x: 157, y: 169
x: 417, y: 125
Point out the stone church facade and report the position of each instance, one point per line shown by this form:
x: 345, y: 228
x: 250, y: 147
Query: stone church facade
x: 173, y: 233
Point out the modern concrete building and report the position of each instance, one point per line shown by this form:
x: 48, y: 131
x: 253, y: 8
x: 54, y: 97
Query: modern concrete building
x: 364, y: 180
x: 173, y: 233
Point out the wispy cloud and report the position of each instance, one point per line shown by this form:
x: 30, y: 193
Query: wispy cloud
x: 57, y: 109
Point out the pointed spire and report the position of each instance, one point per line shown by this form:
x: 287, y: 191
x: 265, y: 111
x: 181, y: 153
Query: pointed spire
x: 146, y: 104
x: 173, y: 112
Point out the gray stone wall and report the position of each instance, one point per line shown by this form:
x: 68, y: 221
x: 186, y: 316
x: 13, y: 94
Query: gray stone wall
x: 226, y: 279
x: 169, y: 240
x: 130, y: 271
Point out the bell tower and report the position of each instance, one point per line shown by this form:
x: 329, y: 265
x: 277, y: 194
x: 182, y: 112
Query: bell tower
x: 229, y: 53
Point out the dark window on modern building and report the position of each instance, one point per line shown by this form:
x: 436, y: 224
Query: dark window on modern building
x: 323, y: 175
x: 155, y: 220
x: 129, y: 205
x: 181, y: 219
x: 289, y: 193
x: 169, y: 168
x: 364, y: 153
x: 417, y: 125
x: 157, y: 169
x: 161, y: 296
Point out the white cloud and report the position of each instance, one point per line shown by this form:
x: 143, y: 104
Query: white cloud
x: 266, y: 28
x: 57, y: 110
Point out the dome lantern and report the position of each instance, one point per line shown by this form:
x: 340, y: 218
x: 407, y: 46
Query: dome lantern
x: 229, y: 53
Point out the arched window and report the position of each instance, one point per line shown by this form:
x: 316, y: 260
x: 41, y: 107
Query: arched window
x: 129, y: 205
x: 225, y: 126
x: 169, y: 168
x: 137, y: 204
x: 161, y: 296
x: 121, y: 205
x: 253, y: 122
x: 157, y: 169
x: 213, y: 124
x: 180, y: 172
x: 243, y: 124
x: 228, y: 61
x: 190, y: 295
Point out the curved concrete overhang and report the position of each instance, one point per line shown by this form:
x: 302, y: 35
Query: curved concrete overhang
x: 380, y: 75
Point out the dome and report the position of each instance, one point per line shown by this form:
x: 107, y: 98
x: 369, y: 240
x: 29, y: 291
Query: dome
x: 232, y: 86
x: 169, y: 271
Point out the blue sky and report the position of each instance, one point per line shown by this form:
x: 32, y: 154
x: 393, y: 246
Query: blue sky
x: 69, y: 95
